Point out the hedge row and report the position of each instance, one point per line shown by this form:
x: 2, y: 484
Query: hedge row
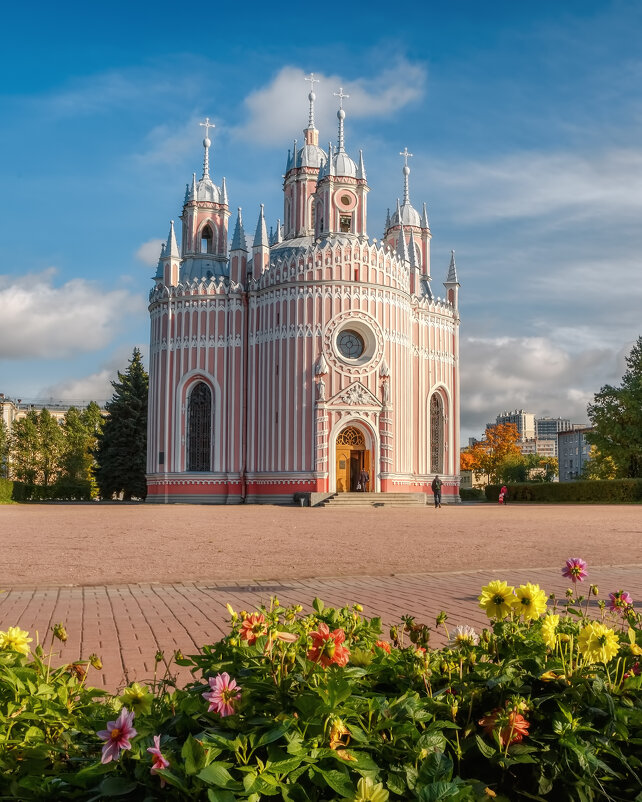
x: 63, y: 490
x: 471, y: 494
x: 603, y: 492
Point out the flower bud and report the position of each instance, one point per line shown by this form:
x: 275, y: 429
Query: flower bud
x: 159, y: 656
x: 594, y: 590
x: 95, y: 662
x: 178, y: 655
x: 60, y: 632
x: 358, y: 608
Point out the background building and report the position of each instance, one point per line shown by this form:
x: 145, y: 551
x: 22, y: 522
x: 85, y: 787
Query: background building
x: 297, y: 363
x: 573, y: 452
x: 525, y: 422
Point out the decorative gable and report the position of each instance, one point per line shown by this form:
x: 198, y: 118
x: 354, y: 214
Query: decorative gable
x: 355, y: 395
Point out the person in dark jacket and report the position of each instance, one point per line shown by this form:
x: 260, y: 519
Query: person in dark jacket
x: 436, y: 490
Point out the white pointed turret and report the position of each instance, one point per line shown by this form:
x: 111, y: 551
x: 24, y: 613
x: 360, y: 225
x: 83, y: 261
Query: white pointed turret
x: 238, y: 252
x: 261, y: 237
x: 224, y: 192
x: 171, y: 249
x: 169, y: 262
x: 260, y: 247
x: 452, y: 282
x: 424, y: 219
x: 402, y: 246
x: 361, y: 169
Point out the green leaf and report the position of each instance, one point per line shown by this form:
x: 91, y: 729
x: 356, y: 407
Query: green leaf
x: 337, y: 780
x: 318, y: 605
x: 485, y: 748
x: 193, y: 754
x: 272, y: 735
x: 220, y: 796
x: 437, y: 767
x: 217, y: 774
x: 116, y: 786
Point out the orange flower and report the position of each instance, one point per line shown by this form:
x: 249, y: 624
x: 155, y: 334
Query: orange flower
x: 327, y: 647
x: 511, y: 727
x: 383, y: 644
x: 253, y: 627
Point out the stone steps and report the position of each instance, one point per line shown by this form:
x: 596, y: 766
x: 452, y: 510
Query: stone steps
x: 375, y: 500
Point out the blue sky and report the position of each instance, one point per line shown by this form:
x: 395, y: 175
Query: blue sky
x: 525, y: 120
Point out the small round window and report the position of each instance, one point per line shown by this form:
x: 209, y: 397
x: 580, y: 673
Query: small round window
x: 350, y: 344
x: 346, y: 200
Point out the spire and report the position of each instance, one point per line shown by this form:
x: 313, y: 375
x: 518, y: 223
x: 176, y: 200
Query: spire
x: 206, y: 144
x: 424, y: 219
x: 279, y: 231
x: 330, y: 160
x: 186, y: 194
x: 452, y: 270
x: 361, y: 171
x: 406, y: 174
x: 223, y: 192
x: 239, y: 242
x: 160, y: 267
x: 192, y: 194
x: 171, y: 249
x: 402, y: 248
x: 311, y: 97
x: 341, y: 115
x: 261, y: 237
x: 387, y: 219
x: 413, y: 251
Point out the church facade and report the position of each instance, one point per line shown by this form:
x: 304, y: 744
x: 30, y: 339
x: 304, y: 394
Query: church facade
x: 310, y: 359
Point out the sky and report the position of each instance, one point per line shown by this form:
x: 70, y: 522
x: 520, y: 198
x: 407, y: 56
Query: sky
x: 525, y: 121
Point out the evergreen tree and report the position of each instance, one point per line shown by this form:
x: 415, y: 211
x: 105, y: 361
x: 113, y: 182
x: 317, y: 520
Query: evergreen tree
x: 121, y: 454
x: 616, y: 418
x: 81, y: 429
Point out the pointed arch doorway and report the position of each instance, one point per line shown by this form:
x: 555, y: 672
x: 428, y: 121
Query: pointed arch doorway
x: 352, y: 457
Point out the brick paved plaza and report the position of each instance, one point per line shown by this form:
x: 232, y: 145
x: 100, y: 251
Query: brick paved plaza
x: 129, y: 580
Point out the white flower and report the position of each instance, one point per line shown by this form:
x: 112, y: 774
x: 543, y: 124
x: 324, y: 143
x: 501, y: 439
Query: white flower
x: 463, y: 635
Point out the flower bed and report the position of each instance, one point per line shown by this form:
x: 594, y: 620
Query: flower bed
x: 545, y: 703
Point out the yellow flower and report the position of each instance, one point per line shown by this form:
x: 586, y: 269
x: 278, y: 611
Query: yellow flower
x: 531, y: 601
x: 15, y: 640
x: 597, y: 643
x: 549, y: 630
x: 137, y: 698
x: 497, y: 599
x: 368, y: 791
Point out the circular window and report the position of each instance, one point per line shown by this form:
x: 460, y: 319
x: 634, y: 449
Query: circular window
x: 350, y: 344
x: 346, y: 200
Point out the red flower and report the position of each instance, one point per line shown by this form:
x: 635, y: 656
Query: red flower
x: 510, y: 726
x: 326, y: 647
x: 383, y: 644
x: 253, y: 627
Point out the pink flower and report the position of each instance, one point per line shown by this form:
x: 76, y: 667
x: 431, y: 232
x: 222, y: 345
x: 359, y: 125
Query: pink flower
x: 575, y: 569
x: 117, y: 735
x: 224, y: 694
x: 160, y: 762
x: 620, y: 602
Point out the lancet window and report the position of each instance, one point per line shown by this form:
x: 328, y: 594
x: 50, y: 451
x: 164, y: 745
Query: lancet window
x: 436, y: 434
x: 206, y: 240
x: 199, y: 428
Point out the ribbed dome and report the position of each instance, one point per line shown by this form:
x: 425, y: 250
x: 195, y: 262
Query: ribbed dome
x: 343, y: 165
x: 206, y: 190
x: 311, y: 156
x: 407, y: 215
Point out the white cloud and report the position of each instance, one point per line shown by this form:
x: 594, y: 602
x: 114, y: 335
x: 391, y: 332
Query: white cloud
x: 169, y: 144
x: 42, y: 320
x: 532, y: 373
x: 149, y: 252
x: 278, y: 109
x: 560, y: 186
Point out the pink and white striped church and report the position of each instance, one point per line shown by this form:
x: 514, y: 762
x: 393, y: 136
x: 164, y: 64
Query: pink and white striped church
x: 310, y: 359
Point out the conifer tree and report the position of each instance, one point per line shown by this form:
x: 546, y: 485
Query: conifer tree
x: 122, y: 445
x: 616, y: 418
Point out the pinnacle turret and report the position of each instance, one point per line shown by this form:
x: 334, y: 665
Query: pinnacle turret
x: 260, y: 237
x: 239, y: 241
x: 171, y: 249
x: 452, y: 271
x: 402, y: 247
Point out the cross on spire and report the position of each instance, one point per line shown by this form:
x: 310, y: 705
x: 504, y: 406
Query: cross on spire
x: 206, y: 144
x: 311, y: 97
x: 405, y: 155
x: 340, y: 94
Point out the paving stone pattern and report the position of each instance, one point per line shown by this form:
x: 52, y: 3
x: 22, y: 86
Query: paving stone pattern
x: 127, y: 624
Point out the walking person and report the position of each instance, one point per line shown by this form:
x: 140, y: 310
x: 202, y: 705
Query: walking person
x: 436, y: 490
x: 364, y: 478
x: 503, y: 495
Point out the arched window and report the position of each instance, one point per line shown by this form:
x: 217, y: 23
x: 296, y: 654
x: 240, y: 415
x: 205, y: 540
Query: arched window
x: 206, y: 240
x: 199, y: 428
x: 436, y: 434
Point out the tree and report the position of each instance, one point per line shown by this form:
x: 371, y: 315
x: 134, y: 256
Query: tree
x: 498, y: 445
x: 4, y: 449
x: 599, y: 466
x: 81, y: 429
x: 616, y: 419
x: 24, y: 448
x: 50, y: 447
x: 121, y: 453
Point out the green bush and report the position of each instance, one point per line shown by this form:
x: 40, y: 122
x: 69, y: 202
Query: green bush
x: 62, y: 490
x: 6, y: 490
x: 592, y: 491
x: 471, y: 494
x: 543, y: 704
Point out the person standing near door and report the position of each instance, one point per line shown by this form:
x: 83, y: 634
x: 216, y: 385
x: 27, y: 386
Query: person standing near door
x: 436, y: 491
x: 364, y: 478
